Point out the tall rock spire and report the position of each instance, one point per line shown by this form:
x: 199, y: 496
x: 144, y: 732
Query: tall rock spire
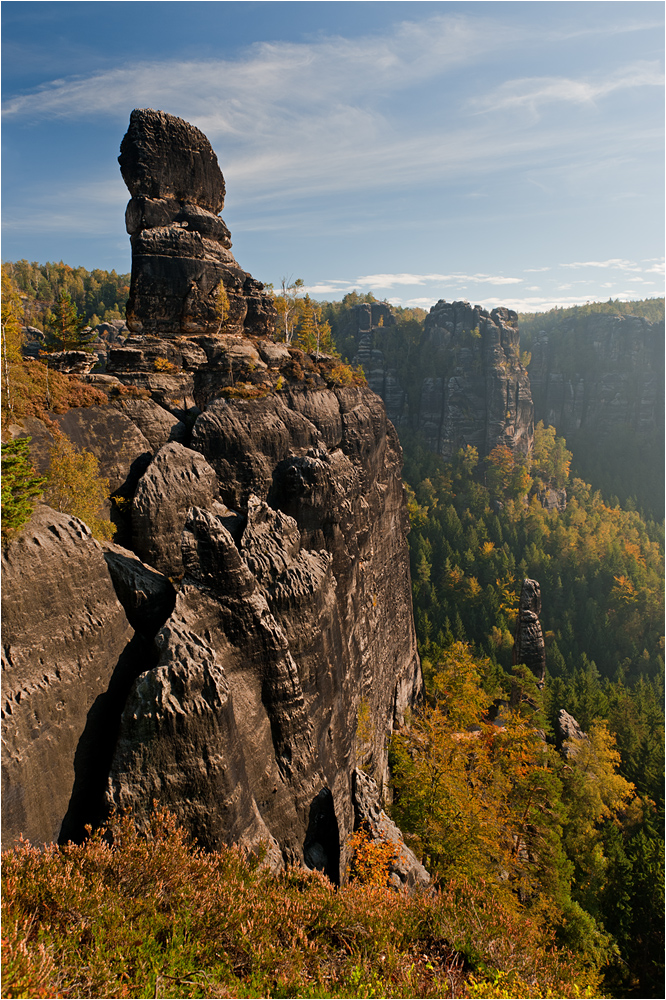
x: 185, y: 280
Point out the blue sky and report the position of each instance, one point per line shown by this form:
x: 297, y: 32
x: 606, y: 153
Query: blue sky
x: 504, y: 153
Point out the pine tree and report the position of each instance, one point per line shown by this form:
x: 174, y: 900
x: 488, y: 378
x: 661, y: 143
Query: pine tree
x: 21, y: 486
x: 65, y: 328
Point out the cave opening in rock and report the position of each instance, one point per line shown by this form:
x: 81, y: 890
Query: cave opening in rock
x: 321, y: 848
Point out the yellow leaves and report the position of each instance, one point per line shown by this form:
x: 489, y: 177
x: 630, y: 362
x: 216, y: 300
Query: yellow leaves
x: 76, y: 487
x: 371, y: 859
x: 624, y: 591
x: 487, y: 549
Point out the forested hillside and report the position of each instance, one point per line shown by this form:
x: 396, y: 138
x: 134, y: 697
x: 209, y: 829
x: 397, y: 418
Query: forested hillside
x: 99, y: 296
x: 479, y: 526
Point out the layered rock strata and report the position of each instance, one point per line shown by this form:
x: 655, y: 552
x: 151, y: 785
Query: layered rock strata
x: 184, y: 277
x: 64, y: 635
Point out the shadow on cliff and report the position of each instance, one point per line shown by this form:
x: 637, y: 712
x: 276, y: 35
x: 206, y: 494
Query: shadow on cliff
x: 321, y: 849
x: 92, y: 760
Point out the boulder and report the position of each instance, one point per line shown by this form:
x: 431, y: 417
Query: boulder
x: 568, y: 734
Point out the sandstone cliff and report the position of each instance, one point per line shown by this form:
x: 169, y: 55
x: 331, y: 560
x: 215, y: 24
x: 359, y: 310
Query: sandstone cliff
x: 262, y: 561
x: 462, y: 384
x: 599, y: 380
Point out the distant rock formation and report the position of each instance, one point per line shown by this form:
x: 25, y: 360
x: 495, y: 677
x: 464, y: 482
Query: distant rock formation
x: 614, y: 379
x: 598, y: 378
x: 568, y: 735
x: 185, y: 279
x: 529, y: 647
x: 261, y: 560
x: 467, y: 384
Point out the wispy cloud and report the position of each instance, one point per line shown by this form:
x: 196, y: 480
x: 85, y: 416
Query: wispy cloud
x: 532, y: 93
x: 391, y: 280
x: 296, y: 119
x: 615, y: 263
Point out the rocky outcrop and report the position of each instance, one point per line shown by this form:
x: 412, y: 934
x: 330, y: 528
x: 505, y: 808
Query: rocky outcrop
x: 568, y: 735
x: 463, y: 384
x: 185, y: 279
x: 271, y: 496
x: 64, y: 635
x: 302, y: 605
x: 529, y: 647
x: 614, y: 379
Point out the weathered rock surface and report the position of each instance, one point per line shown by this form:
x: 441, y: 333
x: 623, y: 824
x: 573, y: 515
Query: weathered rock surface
x: 568, y: 734
x: 63, y: 635
x: 146, y: 595
x: 157, y: 425
x: 185, y: 279
x: 529, y: 646
x: 469, y: 386
x: 280, y: 514
x: 72, y: 362
x: 614, y: 379
x: 406, y: 871
x: 175, y: 480
x: 307, y: 613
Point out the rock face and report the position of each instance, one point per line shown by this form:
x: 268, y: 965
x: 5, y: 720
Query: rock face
x: 529, y: 647
x: 185, y: 279
x: 295, y: 604
x: 615, y: 379
x: 64, y: 633
x: 599, y: 380
x: 467, y: 384
x: 271, y: 497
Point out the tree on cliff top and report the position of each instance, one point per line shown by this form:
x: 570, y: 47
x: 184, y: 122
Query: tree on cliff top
x: 288, y: 306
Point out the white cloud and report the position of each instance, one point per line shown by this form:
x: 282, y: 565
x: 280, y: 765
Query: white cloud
x: 530, y: 93
x: 390, y: 280
x: 290, y: 120
x: 616, y: 263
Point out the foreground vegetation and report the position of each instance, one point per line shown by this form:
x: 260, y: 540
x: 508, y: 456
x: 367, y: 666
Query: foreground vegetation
x: 153, y: 916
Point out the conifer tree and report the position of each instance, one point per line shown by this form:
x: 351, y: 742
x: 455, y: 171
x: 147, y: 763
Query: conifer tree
x: 65, y: 328
x: 21, y: 486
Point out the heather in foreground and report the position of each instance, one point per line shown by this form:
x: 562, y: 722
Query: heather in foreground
x: 126, y: 915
